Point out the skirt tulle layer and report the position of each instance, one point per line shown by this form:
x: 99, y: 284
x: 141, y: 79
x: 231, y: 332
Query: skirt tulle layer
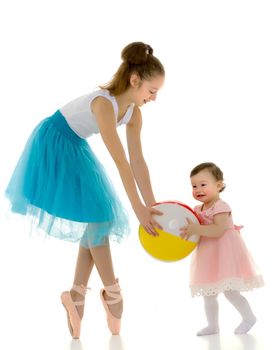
x: 63, y: 188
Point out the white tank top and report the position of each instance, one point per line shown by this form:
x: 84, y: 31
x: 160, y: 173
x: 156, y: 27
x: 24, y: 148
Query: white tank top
x: 80, y: 118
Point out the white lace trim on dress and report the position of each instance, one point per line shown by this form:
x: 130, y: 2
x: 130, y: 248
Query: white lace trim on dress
x: 240, y: 284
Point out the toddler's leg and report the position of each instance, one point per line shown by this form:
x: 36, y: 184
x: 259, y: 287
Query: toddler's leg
x: 211, y: 309
x: 243, y: 307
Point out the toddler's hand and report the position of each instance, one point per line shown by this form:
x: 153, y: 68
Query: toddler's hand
x: 189, y: 230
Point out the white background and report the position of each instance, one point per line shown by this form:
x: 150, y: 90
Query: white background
x: 220, y: 103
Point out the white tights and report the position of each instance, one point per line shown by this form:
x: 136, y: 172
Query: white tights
x: 239, y: 302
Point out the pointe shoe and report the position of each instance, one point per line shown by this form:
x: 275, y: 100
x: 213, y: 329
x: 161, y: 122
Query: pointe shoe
x: 73, y: 318
x: 114, y: 323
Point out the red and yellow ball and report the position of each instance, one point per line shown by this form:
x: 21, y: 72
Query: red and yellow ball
x: 169, y: 246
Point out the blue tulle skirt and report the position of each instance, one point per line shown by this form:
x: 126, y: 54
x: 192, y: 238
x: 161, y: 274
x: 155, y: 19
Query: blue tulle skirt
x: 63, y: 188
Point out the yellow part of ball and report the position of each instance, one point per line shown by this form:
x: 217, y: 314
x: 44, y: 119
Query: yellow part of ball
x: 166, y: 246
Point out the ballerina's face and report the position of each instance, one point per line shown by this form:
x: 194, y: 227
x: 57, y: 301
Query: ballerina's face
x: 205, y: 187
x: 145, y: 91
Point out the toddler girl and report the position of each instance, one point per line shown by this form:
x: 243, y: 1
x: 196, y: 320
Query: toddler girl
x: 221, y: 263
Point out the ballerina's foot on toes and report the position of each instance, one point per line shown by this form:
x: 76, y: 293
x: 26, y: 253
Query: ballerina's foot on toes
x: 73, y: 303
x: 112, y: 301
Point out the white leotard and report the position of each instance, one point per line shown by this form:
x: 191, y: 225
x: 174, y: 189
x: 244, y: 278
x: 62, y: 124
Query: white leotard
x: 80, y: 118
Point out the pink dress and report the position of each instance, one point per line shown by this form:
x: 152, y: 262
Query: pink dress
x: 223, y: 263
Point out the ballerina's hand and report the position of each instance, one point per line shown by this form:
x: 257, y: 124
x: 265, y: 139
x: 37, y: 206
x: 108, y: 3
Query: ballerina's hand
x: 189, y: 230
x: 146, y: 218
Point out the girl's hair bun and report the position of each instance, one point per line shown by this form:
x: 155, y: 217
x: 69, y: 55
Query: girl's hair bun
x: 137, y: 59
x: 136, y: 53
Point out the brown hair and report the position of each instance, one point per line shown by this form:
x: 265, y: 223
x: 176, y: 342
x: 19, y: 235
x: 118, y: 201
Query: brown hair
x: 137, y: 58
x: 213, y: 169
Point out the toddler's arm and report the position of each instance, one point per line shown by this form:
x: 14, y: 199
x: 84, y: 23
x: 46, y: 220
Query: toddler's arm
x: 214, y: 230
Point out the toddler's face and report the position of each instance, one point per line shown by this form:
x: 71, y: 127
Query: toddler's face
x: 205, y: 187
